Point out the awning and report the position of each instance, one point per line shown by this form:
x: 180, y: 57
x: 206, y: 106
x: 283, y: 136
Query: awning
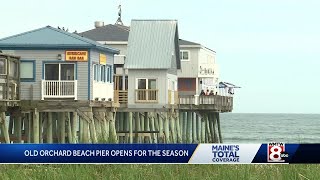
x: 227, y: 85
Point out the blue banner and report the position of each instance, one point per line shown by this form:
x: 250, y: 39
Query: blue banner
x: 160, y: 153
x: 96, y: 153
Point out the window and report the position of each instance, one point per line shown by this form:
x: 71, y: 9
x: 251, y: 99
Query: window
x: 13, y: 69
x: 95, y: 72
x: 27, y: 70
x: 109, y: 74
x: 147, y: 84
x: 146, y: 90
x: 184, y: 55
x: 3, y: 66
x: 103, y: 73
x: 65, y: 72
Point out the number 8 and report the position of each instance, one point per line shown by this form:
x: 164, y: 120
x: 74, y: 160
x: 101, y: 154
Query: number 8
x: 273, y: 153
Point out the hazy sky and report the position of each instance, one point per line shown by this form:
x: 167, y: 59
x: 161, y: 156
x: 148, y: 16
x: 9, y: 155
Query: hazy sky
x: 271, y: 48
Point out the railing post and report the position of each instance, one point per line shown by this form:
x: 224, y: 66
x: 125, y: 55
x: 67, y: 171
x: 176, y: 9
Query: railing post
x: 76, y: 90
x: 42, y: 89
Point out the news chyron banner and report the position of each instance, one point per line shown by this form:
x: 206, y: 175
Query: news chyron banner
x: 159, y: 153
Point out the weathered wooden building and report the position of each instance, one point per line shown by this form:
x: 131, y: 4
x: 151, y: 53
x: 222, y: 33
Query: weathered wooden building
x: 65, y: 79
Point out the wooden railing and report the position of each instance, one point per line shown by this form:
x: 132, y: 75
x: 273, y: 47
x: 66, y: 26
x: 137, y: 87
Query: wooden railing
x: 59, y: 89
x: 121, y: 96
x: 147, y: 95
x: 173, y: 97
x: 220, y: 102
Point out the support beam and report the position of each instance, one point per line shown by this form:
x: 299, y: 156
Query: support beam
x: 36, y: 128
x: 49, y: 128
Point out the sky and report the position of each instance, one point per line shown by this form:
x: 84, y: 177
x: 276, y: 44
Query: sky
x: 271, y: 48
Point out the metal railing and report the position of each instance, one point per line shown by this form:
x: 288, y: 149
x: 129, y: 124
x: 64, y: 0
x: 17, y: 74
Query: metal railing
x: 147, y: 95
x: 59, y: 89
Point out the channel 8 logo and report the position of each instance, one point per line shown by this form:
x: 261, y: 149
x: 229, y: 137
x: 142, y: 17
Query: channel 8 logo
x: 276, y: 152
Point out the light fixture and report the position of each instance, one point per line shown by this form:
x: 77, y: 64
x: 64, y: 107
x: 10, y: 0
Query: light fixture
x: 59, y: 57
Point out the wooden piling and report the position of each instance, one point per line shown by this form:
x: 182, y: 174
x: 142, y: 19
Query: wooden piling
x: 178, y: 129
x: 130, y: 127
x: 93, y: 133
x: 185, y: 127
x: 147, y: 139
x: 121, y: 125
x: 36, y: 126
x: 203, y: 129
x: 166, y: 127
x: 105, y: 127
x: 189, y: 127
x: 30, y: 127
x: 62, y: 127
x: 113, y: 133
x: 161, y: 133
x: 208, y: 132
x: 4, y: 128
x: 74, y: 123
x: 69, y: 128
x: 49, y: 128
x: 18, y: 128
x: 219, y: 127
x: 152, y: 127
x: 85, y: 129
x: 172, y: 120
x: 137, y: 127
x: 194, y: 127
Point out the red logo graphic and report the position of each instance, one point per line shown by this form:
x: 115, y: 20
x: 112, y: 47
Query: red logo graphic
x: 276, y: 152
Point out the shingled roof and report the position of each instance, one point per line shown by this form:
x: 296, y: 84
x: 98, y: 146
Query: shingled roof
x: 115, y: 32
x: 49, y: 37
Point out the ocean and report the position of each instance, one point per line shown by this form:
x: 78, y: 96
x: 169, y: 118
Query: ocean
x: 264, y: 128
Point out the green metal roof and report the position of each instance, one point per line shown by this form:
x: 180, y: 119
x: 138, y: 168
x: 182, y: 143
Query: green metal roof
x: 152, y: 44
x: 49, y: 37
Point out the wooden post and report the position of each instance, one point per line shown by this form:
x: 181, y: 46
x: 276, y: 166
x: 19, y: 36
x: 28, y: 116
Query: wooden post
x: 147, y: 139
x: 92, y: 127
x: 62, y: 127
x: 211, y: 126
x: 70, y: 139
x: 189, y: 127
x: 214, y: 127
x: 130, y: 127
x: 194, y: 127
x: 166, y: 128
x: 85, y: 130
x: 203, y: 129
x: 81, y: 129
x: 55, y: 127
x: 44, y: 128
x: 97, y: 124
x: 185, y: 127
x: 41, y: 117
x: 141, y: 138
x: 49, y: 128
x: 172, y: 120
x: 36, y: 126
x: 219, y: 127
x: 156, y: 126
x: 208, y: 132
x: 121, y: 125
x: 4, y: 128
x: 198, y: 129
x: 74, y: 127
x: 30, y: 127
x: 137, y: 127
x: 161, y: 134
x: 105, y: 127
x: 113, y: 133
x: 18, y: 128
x: 177, y: 121
x: 152, y: 127
x: 11, y: 121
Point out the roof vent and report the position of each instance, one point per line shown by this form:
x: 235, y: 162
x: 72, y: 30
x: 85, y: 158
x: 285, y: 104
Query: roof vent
x: 98, y: 24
